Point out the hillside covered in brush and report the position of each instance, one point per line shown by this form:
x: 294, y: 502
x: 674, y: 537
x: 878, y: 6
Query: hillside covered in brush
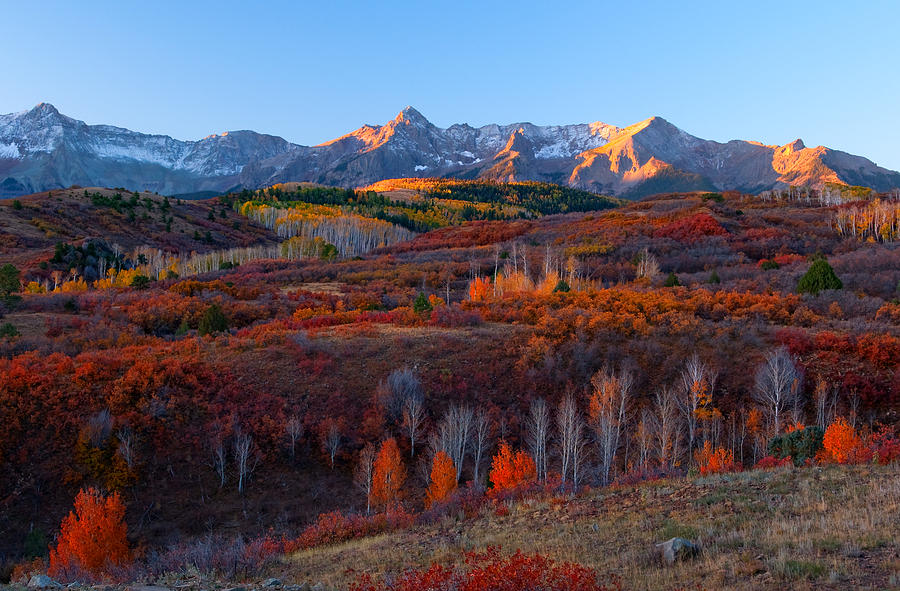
x: 235, y: 367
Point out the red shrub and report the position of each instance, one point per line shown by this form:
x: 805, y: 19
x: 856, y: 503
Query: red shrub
x: 692, y: 229
x: 335, y: 527
x: 770, y: 462
x: 489, y: 571
x: 884, y: 446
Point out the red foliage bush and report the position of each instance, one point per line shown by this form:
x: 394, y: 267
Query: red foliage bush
x: 335, y: 527
x: 771, y: 462
x: 475, y: 233
x: 884, y: 445
x: 454, y: 316
x: 692, y: 229
x: 489, y: 571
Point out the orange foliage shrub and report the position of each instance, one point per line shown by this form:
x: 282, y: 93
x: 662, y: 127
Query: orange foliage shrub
x: 510, y: 470
x: 715, y: 461
x: 841, y: 441
x: 92, y: 537
x: 443, y: 479
x: 795, y: 427
x: 389, y: 475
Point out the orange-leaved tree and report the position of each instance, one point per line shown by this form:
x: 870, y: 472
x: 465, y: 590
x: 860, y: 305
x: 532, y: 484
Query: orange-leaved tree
x: 715, y: 460
x: 443, y: 479
x: 479, y: 289
x: 841, y: 441
x: 92, y: 537
x: 389, y: 475
x: 511, y: 469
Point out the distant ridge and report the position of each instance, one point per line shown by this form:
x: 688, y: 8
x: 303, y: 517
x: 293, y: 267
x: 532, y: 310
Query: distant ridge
x: 41, y: 149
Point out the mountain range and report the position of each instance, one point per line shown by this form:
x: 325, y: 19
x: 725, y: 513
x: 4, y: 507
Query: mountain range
x: 41, y: 149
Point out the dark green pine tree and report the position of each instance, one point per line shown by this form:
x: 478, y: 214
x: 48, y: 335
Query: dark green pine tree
x: 819, y: 276
x: 212, y: 321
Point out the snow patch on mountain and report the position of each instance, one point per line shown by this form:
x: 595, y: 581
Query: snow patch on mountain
x: 43, y: 149
x: 9, y: 151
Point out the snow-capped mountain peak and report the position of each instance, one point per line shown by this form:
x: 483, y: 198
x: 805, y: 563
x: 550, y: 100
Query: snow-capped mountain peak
x: 42, y: 149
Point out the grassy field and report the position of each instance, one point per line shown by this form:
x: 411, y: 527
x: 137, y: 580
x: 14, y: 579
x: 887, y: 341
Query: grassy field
x: 817, y: 528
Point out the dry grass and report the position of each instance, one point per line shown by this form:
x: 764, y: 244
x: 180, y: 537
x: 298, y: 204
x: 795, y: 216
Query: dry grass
x: 819, y: 528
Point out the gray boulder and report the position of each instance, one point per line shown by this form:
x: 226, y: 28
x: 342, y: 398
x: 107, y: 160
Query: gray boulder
x: 42, y: 582
x: 273, y: 582
x: 677, y: 550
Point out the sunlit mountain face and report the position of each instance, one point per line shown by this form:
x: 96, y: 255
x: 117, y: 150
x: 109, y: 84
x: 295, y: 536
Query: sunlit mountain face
x: 41, y: 149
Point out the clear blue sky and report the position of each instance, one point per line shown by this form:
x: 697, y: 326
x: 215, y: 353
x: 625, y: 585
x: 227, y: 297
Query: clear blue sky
x: 770, y: 71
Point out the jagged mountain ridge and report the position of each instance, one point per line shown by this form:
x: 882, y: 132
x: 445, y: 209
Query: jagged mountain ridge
x: 41, y: 149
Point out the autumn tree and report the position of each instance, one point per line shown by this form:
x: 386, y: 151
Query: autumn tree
x: 608, y: 404
x: 643, y: 435
x: 389, y: 474
x: 413, y: 420
x: 401, y: 385
x: 825, y: 397
x: 330, y: 438
x: 715, y: 460
x: 479, y: 289
x: 452, y: 435
x: 695, y: 401
x: 777, y: 384
x: 537, y: 431
x: 511, y: 469
x: 647, y: 266
x: 364, y: 473
x: 481, y: 431
x: 93, y: 537
x: 570, y: 438
x: 665, y: 426
x: 294, y: 431
x: 753, y: 427
x: 841, y: 441
x: 245, y: 457
x: 443, y: 479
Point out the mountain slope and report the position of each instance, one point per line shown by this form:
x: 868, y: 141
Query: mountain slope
x: 41, y: 149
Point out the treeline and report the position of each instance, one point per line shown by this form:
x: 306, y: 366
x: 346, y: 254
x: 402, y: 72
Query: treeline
x: 416, y: 215
x: 439, y: 202
x: 536, y: 197
x: 351, y: 234
x: 877, y: 220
